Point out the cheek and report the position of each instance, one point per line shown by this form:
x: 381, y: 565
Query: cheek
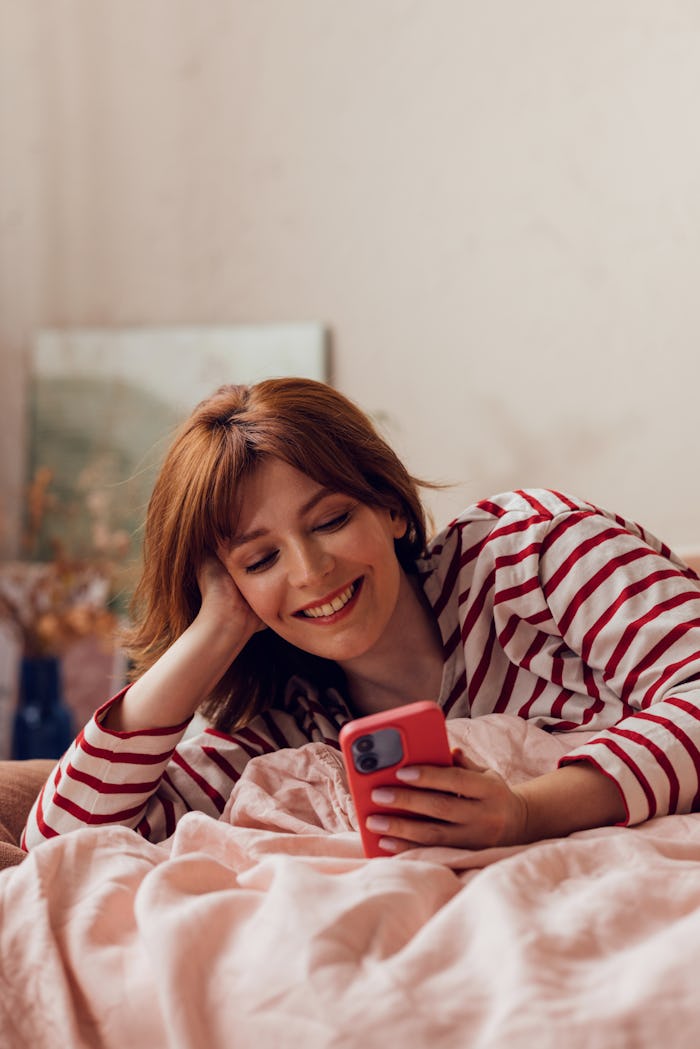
x: 255, y: 592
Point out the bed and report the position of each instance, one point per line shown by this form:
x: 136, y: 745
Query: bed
x: 267, y: 928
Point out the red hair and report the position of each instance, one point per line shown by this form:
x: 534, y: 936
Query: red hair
x: 194, y: 508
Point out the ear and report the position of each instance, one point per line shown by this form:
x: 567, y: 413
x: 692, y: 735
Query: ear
x: 399, y: 524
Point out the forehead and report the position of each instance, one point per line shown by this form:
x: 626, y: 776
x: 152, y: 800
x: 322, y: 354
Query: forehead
x: 273, y: 491
x: 276, y: 479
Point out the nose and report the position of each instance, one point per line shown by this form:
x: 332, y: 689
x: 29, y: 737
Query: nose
x: 309, y: 563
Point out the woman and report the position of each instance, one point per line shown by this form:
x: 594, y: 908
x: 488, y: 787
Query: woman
x: 288, y: 587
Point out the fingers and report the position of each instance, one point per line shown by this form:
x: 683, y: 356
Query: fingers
x: 462, y: 805
x: 465, y: 778
x: 211, y: 568
x: 399, y: 835
x: 222, y: 598
x: 400, y: 832
x: 222, y: 551
x: 434, y: 805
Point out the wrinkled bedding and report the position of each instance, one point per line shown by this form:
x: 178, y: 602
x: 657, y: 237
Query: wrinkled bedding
x: 269, y: 929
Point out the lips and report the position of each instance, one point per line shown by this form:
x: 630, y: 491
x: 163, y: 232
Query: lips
x: 330, y: 605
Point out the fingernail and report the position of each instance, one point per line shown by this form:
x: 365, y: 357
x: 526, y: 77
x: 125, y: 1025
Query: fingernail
x: 388, y: 844
x: 408, y: 775
x: 377, y: 823
x: 383, y: 796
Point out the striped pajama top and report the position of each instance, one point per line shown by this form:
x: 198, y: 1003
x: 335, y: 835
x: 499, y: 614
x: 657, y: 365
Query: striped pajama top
x: 549, y: 608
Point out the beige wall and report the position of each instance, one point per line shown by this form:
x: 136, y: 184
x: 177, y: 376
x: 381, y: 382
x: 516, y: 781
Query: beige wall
x: 494, y: 206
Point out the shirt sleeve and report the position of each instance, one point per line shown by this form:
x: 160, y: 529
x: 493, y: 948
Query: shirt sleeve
x: 148, y: 779
x: 631, y: 612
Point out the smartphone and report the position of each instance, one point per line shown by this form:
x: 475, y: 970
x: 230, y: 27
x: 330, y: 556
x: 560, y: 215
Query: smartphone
x: 374, y: 747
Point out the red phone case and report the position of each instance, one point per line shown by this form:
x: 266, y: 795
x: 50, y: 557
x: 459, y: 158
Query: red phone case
x: 418, y: 732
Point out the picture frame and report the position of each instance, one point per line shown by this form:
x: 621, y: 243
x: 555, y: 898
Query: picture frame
x: 105, y: 404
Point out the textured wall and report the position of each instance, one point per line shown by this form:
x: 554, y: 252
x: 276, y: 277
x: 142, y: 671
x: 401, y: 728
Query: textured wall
x: 494, y: 206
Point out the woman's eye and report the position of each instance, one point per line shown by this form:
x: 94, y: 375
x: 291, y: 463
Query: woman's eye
x: 262, y: 564
x: 335, y: 523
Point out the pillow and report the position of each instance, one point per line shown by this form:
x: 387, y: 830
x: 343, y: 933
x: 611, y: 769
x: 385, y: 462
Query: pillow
x: 20, y: 782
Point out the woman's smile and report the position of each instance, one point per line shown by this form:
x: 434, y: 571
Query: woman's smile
x: 329, y: 608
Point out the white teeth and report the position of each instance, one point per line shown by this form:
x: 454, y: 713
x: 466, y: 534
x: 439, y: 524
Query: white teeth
x: 332, y: 606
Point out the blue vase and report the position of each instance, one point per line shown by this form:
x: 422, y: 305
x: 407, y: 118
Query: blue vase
x: 43, y: 724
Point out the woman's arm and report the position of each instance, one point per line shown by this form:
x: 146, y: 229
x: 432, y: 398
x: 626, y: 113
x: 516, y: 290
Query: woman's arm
x: 148, y: 780
x: 173, y: 688
x: 127, y: 766
x: 574, y: 797
x: 467, y: 806
x: 601, y: 625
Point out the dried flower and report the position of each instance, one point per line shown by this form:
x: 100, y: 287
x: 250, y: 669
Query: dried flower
x: 50, y: 604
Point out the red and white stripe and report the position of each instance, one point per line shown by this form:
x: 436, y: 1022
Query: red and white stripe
x: 575, y: 619
x: 550, y: 609
x: 149, y: 779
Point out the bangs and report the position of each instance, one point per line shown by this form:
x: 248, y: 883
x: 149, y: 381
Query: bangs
x: 221, y: 506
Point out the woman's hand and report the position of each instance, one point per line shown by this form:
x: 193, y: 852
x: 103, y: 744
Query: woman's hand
x: 223, y: 603
x: 469, y: 807
x: 463, y: 806
x: 170, y: 691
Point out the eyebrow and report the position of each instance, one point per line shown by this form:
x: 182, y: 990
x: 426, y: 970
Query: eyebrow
x: 258, y: 533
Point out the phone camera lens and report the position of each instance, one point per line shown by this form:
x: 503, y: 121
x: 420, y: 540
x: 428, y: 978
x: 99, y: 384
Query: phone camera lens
x: 368, y: 762
x: 364, y: 744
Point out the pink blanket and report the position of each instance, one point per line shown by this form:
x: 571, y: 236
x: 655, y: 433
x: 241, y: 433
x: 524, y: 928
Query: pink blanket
x: 268, y: 929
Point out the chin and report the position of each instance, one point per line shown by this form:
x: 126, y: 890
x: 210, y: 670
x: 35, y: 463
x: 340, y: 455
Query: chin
x: 344, y: 653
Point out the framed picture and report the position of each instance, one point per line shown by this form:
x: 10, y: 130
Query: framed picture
x: 104, y: 406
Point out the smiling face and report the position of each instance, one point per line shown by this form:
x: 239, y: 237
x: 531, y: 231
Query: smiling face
x: 317, y: 566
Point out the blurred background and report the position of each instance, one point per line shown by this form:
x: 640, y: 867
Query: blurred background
x: 492, y: 208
